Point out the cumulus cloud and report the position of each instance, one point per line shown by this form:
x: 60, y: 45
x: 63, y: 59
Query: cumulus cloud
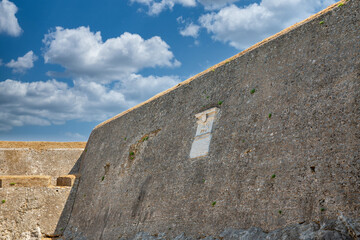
x: 137, y: 88
x: 84, y: 55
x: 23, y: 63
x: 105, y: 79
x: 8, y: 22
x: 191, y: 30
x: 54, y: 102
x: 242, y: 27
x: 156, y: 7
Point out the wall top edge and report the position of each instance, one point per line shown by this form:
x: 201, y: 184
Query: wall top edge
x: 12, y: 145
x: 257, y: 45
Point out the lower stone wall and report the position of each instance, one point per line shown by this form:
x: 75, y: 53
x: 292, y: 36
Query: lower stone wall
x: 36, y: 190
x: 336, y: 229
x: 30, y: 213
x: 39, y: 158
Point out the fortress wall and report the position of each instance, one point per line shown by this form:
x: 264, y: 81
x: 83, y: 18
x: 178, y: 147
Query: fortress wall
x: 301, y: 164
x: 31, y: 204
x: 39, y: 158
x: 31, y: 213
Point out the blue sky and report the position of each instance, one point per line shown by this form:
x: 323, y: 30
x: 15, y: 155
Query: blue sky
x: 66, y: 66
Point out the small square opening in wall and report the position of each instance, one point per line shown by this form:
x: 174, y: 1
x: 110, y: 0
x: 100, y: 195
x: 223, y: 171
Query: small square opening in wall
x: 0, y: 183
x: 205, y: 121
x: 65, y: 181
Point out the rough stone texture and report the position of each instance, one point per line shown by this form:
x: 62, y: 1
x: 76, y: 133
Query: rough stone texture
x: 39, y: 158
x: 24, y: 181
x: 30, y: 213
x: 31, y: 207
x: 339, y: 229
x: 66, y: 181
x: 41, y: 145
x: 299, y: 165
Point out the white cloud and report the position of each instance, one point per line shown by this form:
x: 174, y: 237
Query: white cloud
x: 217, y: 4
x: 54, y: 102
x: 156, y: 7
x: 180, y: 19
x: 242, y: 27
x: 51, y: 102
x: 105, y: 79
x: 84, y: 55
x: 8, y: 22
x: 23, y: 63
x: 191, y: 30
x: 137, y: 88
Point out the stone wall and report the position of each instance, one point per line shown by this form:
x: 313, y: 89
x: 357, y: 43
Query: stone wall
x: 268, y: 139
x: 35, y: 201
x: 284, y: 145
x: 282, y: 149
x: 39, y: 158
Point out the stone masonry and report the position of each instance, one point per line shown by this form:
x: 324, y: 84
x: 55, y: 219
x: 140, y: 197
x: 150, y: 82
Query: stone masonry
x: 265, y: 145
x: 282, y: 149
x: 36, y: 188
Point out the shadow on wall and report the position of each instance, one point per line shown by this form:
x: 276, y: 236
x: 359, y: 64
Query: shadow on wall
x: 67, y: 182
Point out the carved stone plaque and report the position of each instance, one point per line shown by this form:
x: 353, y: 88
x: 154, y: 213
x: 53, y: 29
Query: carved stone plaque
x: 205, y: 121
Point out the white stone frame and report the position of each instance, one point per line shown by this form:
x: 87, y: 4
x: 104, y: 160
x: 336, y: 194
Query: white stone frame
x: 201, y: 143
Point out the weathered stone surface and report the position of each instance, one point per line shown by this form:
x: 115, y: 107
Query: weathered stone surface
x: 28, y: 211
x: 39, y: 158
x: 66, y: 181
x: 335, y: 230
x: 30, y: 206
x: 299, y: 165
x: 205, y: 121
x: 24, y: 181
x: 286, y: 154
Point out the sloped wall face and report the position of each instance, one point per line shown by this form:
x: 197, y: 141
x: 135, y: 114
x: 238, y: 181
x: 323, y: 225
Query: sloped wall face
x: 284, y: 145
